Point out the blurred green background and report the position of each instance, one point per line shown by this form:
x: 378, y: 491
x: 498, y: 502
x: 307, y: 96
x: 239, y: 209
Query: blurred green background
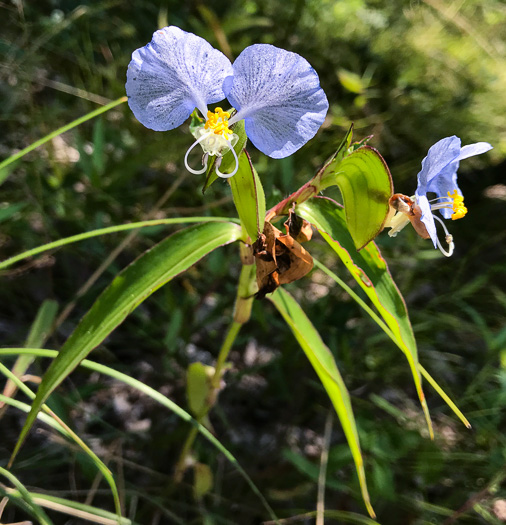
x: 408, y: 73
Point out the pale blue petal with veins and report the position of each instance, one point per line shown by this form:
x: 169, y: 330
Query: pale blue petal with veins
x: 278, y: 95
x: 172, y: 75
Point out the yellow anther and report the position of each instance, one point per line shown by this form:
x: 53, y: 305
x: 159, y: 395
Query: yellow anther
x: 217, y: 122
x: 459, y: 210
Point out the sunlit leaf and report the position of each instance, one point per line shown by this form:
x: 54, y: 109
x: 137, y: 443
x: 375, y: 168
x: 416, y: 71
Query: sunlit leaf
x: 325, y: 366
x: 106, y: 231
x: 366, y: 186
x: 249, y: 197
x: 130, y: 288
x: 351, y: 81
x: 371, y: 272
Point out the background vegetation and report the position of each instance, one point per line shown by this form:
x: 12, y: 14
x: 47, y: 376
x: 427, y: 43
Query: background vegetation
x: 409, y: 73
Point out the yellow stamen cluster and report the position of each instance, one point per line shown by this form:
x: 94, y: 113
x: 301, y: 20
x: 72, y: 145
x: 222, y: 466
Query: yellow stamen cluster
x: 459, y: 210
x: 218, y: 123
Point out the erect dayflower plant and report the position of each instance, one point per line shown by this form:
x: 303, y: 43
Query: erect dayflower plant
x: 439, y: 176
x: 276, y: 92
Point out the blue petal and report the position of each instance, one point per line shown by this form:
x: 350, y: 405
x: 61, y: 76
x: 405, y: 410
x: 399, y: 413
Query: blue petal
x: 427, y: 218
x: 278, y: 94
x: 171, y: 76
x: 439, y: 157
x: 473, y: 149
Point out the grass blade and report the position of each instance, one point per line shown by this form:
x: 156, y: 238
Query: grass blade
x: 323, y: 362
x: 65, y: 429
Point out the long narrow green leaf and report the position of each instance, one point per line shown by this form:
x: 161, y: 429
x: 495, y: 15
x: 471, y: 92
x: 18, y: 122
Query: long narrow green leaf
x: 106, y: 231
x: 249, y: 197
x: 444, y: 395
x: 25, y: 407
x: 159, y: 398
x: 132, y: 286
x: 323, y: 362
x: 371, y: 272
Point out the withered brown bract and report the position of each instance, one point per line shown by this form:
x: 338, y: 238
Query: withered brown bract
x: 297, y: 227
x: 404, y: 204
x: 280, y: 258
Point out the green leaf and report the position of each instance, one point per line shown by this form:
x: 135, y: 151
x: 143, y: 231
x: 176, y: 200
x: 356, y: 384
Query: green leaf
x: 371, y: 272
x: 199, y: 388
x: 137, y: 282
x: 374, y: 316
x: 249, y: 197
x: 73, y: 508
x: 66, y: 430
x: 228, y: 161
x: 41, y: 327
x: 203, y: 481
x: 366, y: 186
x: 323, y: 362
x: 351, y: 81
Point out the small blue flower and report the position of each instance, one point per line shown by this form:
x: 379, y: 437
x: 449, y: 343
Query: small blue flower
x: 277, y: 93
x: 438, y: 175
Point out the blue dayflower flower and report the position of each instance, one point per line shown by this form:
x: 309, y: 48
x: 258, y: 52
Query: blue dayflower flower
x: 439, y: 176
x: 276, y: 92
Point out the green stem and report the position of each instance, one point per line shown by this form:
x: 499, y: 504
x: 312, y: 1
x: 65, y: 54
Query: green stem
x: 242, y: 311
x: 233, y: 331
